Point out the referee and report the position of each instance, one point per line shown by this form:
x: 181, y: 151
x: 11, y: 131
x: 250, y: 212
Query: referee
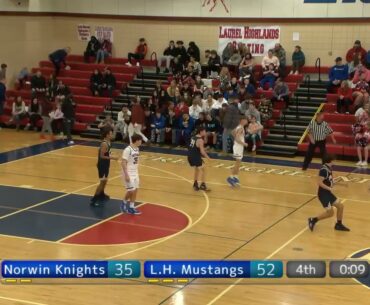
x: 318, y: 131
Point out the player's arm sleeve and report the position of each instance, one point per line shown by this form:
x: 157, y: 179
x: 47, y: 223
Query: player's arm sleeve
x: 323, y: 173
x: 126, y: 154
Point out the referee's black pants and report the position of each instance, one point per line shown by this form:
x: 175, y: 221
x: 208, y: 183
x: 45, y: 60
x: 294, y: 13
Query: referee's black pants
x: 311, y: 150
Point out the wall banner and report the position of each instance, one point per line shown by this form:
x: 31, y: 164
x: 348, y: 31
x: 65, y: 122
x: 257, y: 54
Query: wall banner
x: 259, y: 39
x: 104, y: 32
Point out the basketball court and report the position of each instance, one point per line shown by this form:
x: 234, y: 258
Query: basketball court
x: 45, y: 213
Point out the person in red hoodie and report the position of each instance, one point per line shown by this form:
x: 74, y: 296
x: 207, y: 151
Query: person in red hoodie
x: 356, y: 50
x: 137, y: 120
x: 344, y: 97
x: 139, y: 54
x: 181, y: 108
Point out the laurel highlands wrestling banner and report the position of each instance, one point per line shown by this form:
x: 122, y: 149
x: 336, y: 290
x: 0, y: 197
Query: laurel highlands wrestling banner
x: 259, y: 39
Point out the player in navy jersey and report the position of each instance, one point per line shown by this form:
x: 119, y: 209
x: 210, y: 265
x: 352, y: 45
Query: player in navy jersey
x: 326, y: 197
x: 195, y: 153
x: 104, y: 157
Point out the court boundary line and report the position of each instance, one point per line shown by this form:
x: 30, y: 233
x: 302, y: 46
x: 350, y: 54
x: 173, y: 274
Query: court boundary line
x: 21, y: 301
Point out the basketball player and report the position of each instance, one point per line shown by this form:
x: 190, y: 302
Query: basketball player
x: 195, y: 153
x: 130, y: 174
x: 326, y: 197
x: 103, y: 165
x: 238, y: 150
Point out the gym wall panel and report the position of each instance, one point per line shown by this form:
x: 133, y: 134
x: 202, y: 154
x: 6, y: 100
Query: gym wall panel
x: 250, y: 8
x: 346, y: 9
x: 270, y: 8
x: 129, y: 7
x: 105, y: 7
x: 302, y: 9
x: 187, y: 8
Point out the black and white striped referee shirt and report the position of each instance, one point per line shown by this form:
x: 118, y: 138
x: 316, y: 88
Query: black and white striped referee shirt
x: 319, y: 131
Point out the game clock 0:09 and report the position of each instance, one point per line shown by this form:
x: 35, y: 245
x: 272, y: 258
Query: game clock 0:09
x: 349, y: 269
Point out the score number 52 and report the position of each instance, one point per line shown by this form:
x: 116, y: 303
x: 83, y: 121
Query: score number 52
x: 266, y: 269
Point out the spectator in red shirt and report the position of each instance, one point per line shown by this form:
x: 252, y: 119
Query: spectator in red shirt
x: 357, y: 49
x: 139, y: 54
x: 345, y: 97
x: 137, y: 120
x: 361, y: 92
x: 181, y: 107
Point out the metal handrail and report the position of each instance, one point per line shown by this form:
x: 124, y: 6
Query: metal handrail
x: 284, y: 123
x: 307, y: 81
x: 318, y: 65
x: 296, y: 105
x: 142, y: 77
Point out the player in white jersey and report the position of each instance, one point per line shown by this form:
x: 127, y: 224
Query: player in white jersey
x: 130, y: 175
x: 238, y: 150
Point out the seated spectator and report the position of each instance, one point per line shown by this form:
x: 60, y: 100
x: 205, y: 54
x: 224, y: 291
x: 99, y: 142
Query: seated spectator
x: 195, y: 109
x: 337, y: 74
x: 361, y: 92
x: 193, y: 51
x: 205, y: 66
x: 158, y: 128
x: 21, y: 78
x: 186, y: 127
x: 208, y: 103
x: 243, y: 49
x: 56, y: 117
x: 235, y: 59
x: 52, y: 86
x: 168, y: 55
x: 225, y: 78
x: 217, y: 103
x: 62, y: 91
x: 344, y: 98
x: 187, y: 78
x: 96, y: 83
x: 214, y: 64
x: 181, y: 53
x: 198, y: 85
x: 368, y: 59
x: 181, y: 107
x: 123, y: 120
x: 197, y: 68
x: 253, y: 131
x: 246, y: 65
x: 201, y: 121
x: 280, y: 53
x: 227, y: 53
x: 354, y: 65
x: 281, y: 92
x: 177, y: 68
x: 148, y: 121
x: 38, y: 84
x: 92, y: 48
x: 356, y: 50
x: 298, y: 59
x: 212, y: 128
x: 172, y: 89
x: 140, y: 53
x: 269, y: 77
x: 58, y: 58
x: 243, y: 95
x: 104, y: 51
x: 107, y: 122
x: 187, y: 92
x: 108, y: 82
x: 252, y: 111
x: 249, y: 86
x: 34, y: 113
x: 361, y: 69
x: 265, y: 109
x: 18, y: 112
x: 270, y: 58
x: 3, y: 68
x: 172, y: 122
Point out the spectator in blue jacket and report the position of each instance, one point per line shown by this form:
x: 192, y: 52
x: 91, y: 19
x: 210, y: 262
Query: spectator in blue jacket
x: 337, y: 74
x: 158, y: 128
x: 58, y: 57
x: 186, y: 125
